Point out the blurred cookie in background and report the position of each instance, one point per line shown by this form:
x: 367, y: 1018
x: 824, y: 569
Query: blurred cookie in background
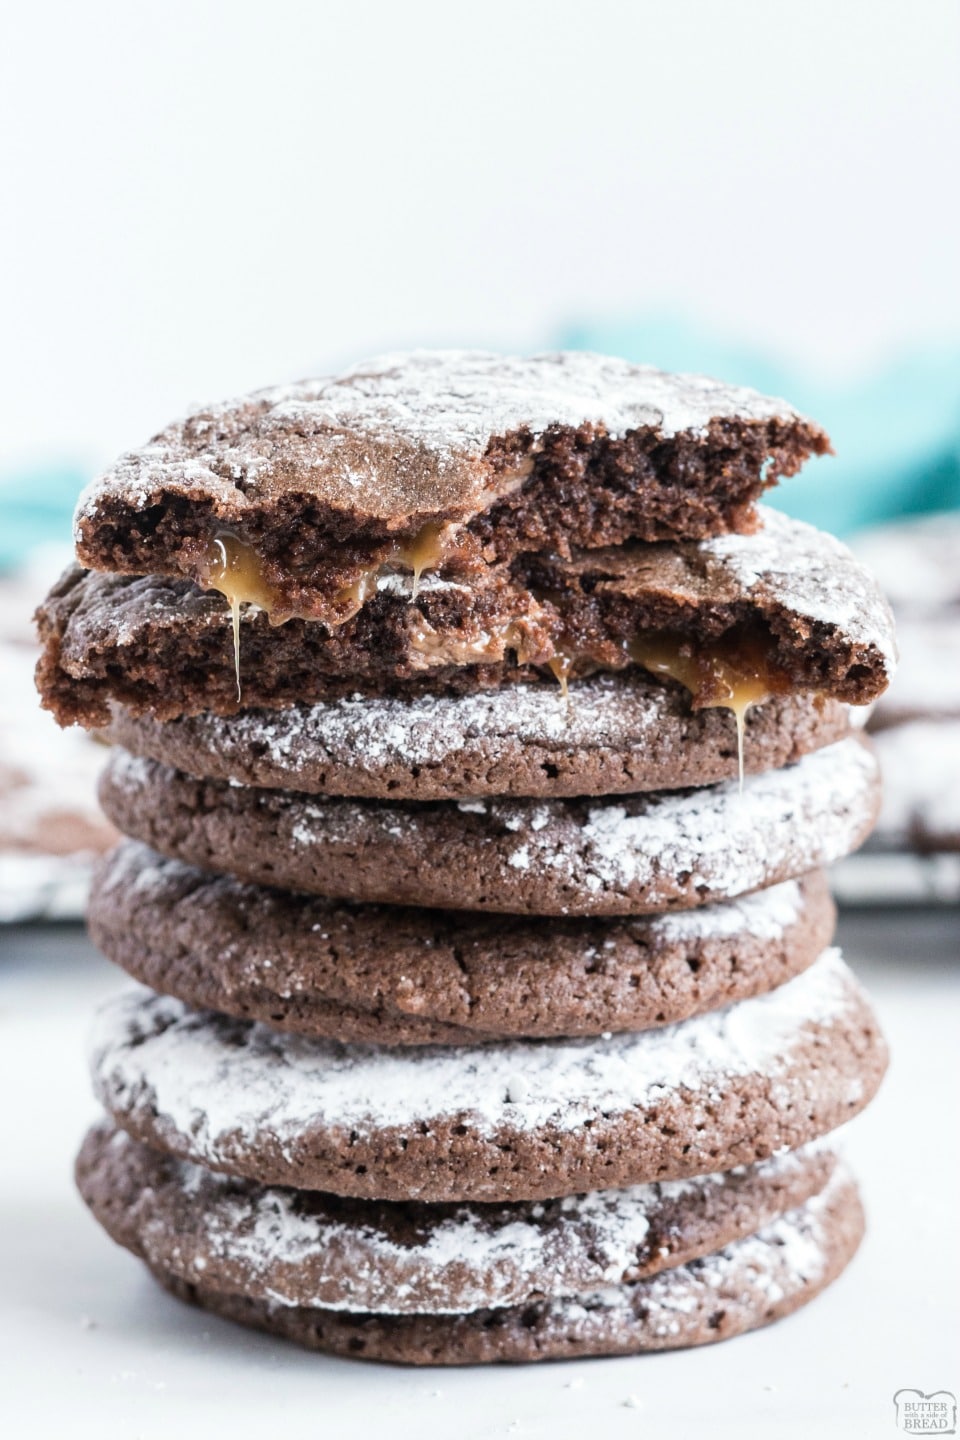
x: 914, y: 853
x: 916, y: 562
x: 920, y: 760
x: 50, y: 827
x: 927, y: 683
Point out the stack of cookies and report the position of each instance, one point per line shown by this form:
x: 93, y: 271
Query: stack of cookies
x: 476, y: 832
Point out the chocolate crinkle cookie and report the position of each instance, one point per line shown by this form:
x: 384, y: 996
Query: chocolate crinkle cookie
x: 786, y: 608
x: 518, y: 1119
x: 447, y: 461
x: 609, y: 734
x: 621, y: 855
x: 748, y: 1283
x: 379, y: 973
x: 306, y: 1248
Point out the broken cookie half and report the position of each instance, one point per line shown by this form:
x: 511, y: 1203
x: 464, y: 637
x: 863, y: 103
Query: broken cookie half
x: 299, y: 498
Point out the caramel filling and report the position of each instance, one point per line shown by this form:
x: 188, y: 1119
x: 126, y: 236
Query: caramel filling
x: 733, y: 673
x: 562, y: 667
x: 353, y: 597
x: 424, y: 552
x: 235, y: 569
x: 727, y: 674
x: 486, y: 646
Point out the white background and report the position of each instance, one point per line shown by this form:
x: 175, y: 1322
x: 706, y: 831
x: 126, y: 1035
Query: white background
x: 202, y: 197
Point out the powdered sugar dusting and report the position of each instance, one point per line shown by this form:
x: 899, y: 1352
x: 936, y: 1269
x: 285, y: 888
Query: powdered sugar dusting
x: 786, y: 1256
x: 487, y: 734
x: 472, y: 395
x: 811, y: 573
x: 785, y: 822
x: 730, y: 839
x: 607, y: 711
x: 744, y: 1284
x: 766, y: 915
x: 209, y: 1079
x: 437, y: 409
x: 294, y: 1249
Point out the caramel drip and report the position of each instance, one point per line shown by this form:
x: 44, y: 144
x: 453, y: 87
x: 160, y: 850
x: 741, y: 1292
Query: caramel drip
x: 424, y: 552
x: 234, y: 568
x: 717, y: 676
x: 562, y: 667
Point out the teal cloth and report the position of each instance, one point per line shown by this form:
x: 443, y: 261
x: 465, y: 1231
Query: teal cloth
x: 36, y: 506
x: 896, y: 434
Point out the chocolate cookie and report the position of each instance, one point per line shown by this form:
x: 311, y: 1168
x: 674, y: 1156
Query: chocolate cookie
x: 437, y: 460
x: 416, y: 977
x: 299, y: 1247
x: 746, y: 1284
x: 735, y: 619
x: 514, y: 1120
x: 635, y: 854
x: 610, y: 733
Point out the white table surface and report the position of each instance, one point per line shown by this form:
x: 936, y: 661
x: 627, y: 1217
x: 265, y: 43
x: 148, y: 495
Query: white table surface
x: 90, y: 1347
